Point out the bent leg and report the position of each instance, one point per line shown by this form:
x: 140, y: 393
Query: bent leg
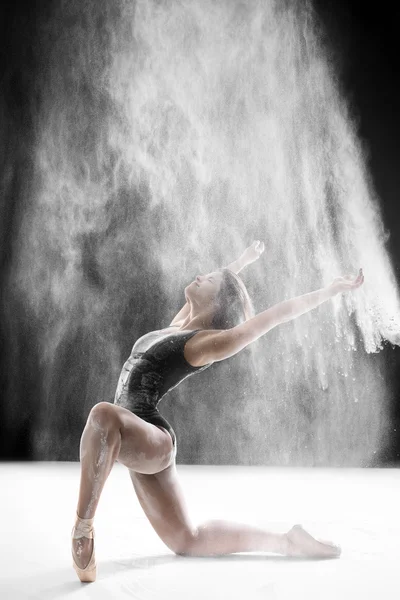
x: 114, y: 433
x: 99, y: 448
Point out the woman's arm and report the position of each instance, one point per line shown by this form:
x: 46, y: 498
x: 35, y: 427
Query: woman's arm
x: 211, y: 346
x: 247, y: 257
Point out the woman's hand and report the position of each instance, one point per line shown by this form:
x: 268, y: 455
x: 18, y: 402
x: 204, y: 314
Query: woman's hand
x: 347, y: 283
x: 247, y: 257
x: 253, y: 252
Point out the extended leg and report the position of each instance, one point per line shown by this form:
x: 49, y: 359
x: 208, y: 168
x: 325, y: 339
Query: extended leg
x: 161, y: 497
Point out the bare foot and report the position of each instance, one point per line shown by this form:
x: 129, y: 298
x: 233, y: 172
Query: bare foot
x: 82, y: 550
x: 301, y: 543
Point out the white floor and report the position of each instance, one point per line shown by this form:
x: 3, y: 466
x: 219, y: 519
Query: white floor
x: 358, y: 509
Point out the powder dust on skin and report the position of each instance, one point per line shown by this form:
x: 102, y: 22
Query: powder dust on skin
x: 97, y: 467
x: 168, y: 132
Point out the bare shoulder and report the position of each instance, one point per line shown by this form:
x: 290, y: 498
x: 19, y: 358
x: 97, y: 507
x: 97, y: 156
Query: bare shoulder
x: 198, y: 349
x: 213, y: 345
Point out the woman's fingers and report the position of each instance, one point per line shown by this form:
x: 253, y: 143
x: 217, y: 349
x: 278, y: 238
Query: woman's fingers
x: 258, y: 246
x: 351, y: 278
x: 360, y: 276
x: 359, y: 279
x: 349, y: 282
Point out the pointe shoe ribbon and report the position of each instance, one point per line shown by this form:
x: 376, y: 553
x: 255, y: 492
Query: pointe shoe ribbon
x: 83, y: 528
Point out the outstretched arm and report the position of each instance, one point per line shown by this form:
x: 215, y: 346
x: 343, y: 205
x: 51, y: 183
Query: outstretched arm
x: 211, y: 346
x: 247, y: 257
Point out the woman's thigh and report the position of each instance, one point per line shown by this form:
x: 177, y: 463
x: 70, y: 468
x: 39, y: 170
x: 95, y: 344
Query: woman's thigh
x: 145, y: 448
x: 162, y: 499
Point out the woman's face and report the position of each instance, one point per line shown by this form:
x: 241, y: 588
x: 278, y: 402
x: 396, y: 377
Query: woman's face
x: 204, y: 289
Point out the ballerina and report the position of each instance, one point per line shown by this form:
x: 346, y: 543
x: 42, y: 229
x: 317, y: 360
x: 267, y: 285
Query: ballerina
x: 216, y: 322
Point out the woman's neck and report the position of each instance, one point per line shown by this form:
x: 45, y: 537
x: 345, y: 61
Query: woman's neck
x: 197, y: 319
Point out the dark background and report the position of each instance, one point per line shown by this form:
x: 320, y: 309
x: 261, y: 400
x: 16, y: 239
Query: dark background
x: 364, y: 43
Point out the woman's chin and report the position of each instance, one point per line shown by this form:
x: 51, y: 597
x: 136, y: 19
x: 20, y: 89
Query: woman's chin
x: 190, y: 287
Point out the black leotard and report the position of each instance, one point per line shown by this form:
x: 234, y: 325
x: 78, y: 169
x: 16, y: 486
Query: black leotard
x: 155, y: 367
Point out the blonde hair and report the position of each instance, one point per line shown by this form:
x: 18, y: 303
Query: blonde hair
x: 233, y: 303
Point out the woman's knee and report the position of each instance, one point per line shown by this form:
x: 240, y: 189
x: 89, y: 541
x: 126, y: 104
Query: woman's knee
x: 104, y: 416
x: 184, y: 544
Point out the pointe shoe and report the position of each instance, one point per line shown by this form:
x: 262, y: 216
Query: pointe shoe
x: 84, y: 528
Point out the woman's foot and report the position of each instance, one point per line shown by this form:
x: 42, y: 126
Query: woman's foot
x: 83, y: 556
x: 82, y: 551
x: 301, y: 543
